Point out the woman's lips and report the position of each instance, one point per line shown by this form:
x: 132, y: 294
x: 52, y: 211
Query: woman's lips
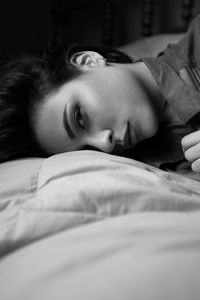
x: 127, y: 141
x: 133, y: 136
x: 126, y: 138
x: 129, y: 135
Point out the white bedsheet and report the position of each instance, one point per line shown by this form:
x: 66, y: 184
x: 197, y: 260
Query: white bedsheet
x: 90, y: 226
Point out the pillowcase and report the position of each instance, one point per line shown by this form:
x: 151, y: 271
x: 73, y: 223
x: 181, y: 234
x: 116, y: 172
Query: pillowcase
x: 92, y: 182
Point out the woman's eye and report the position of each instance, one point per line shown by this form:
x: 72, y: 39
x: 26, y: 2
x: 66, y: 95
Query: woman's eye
x: 78, y: 118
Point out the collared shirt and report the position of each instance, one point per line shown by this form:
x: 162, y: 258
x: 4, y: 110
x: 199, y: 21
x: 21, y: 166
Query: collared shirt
x: 177, y: 72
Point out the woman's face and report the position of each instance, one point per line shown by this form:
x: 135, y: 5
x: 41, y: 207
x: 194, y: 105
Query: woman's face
x: 104, y: 108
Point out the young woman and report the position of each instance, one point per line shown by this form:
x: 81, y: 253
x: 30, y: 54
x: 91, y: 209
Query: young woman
x: 88, y: 98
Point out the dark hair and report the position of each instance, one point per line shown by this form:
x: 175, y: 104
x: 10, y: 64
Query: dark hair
x: 24, y: 83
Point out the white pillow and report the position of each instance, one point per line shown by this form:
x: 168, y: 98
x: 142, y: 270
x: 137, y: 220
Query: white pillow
x: 106, y: 185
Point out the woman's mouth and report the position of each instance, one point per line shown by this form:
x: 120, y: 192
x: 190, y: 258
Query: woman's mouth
x: 127, y: 137
x: 129, y: 134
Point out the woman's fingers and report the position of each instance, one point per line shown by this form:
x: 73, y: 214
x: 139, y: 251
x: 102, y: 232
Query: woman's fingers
x: 190, y: 140
x: 193, y: 153
x: 191, y: 148
x: 196, y: 165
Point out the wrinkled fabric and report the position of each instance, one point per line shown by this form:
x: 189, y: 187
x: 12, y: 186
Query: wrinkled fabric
x: 89, y: 225
x: 76, y: 188
x: 177, y: 73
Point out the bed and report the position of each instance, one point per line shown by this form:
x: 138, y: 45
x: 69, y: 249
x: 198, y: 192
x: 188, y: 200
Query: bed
x: 90, y: 225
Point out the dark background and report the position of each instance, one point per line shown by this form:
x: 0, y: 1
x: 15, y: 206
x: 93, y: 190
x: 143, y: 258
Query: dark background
x: 26, y: 25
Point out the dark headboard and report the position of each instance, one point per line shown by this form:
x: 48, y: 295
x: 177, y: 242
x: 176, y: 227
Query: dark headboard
x: 115, y: 22
x: 29, y: 24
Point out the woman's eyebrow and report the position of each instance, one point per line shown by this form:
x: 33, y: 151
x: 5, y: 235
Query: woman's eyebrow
x: 66, y: 125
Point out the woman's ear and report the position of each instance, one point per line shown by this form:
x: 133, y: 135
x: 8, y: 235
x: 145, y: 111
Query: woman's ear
x: 87, y: 59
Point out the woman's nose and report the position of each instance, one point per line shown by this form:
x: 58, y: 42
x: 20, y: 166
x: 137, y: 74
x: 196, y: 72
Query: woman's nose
x: 103, y: 140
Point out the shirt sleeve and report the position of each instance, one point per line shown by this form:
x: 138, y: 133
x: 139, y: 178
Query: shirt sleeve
x: 166, y: 70
x: 188, y: 48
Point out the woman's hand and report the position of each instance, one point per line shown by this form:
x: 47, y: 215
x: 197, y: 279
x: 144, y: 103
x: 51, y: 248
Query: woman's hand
x: 191, y: 148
